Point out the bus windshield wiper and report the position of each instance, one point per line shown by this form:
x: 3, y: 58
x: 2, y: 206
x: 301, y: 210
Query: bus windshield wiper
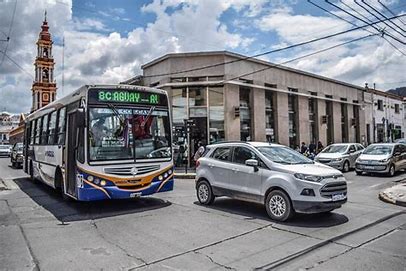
x: 116, y: 113
x: 148, y: 115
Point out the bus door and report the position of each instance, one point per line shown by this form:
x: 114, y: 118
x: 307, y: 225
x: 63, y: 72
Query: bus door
x: 26, y: 142
x: 70, y: 154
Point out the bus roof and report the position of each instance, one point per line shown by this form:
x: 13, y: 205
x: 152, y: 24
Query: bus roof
x: 81, y: 92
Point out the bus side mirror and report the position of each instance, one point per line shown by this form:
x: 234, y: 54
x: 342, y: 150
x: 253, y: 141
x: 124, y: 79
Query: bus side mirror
x: 80, y: 118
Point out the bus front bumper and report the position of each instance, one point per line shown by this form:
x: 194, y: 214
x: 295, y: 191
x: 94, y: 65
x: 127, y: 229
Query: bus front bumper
x: 91, y: 193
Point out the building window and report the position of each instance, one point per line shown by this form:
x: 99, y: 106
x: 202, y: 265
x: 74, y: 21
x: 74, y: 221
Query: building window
x: 245, y: 114
x: 292, y: 109
x: 344, y: 123
x: 313, y: 136
x: 271, y: 85
x: 216, y: 113
x: 380, y: 105
x: 397, y: 108
x: 270, y: 110
x: 178, y: 79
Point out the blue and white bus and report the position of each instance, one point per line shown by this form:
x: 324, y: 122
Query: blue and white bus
x: 102, y: 142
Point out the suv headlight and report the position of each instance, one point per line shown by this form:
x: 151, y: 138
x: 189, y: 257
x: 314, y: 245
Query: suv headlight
x: 310, y: 178
x: 384, y: 160
x: 337, y: 159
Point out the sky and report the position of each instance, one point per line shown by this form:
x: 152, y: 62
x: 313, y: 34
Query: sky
x: 107, y: 41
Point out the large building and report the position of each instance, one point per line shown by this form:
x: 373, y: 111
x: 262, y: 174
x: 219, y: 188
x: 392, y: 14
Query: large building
x: 230, y: 100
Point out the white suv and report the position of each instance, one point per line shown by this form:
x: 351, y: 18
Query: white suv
x: 271, y: 174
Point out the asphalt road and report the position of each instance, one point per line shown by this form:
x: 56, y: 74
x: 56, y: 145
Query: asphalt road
x: 170, y: 231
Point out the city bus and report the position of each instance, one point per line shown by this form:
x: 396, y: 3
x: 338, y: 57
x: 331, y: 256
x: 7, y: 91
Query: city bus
x: 102, y: 142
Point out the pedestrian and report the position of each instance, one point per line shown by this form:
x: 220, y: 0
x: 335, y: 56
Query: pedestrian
x: 303, y: 148
x: 320, y: 147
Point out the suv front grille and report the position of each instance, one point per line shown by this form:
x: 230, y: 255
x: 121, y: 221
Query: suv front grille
x: 128, y: 171
x: 333, y: 188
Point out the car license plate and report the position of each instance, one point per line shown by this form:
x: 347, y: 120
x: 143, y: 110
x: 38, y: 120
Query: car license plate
x: 369, y: 167
x: 135, y: 195
x: 337, y: 197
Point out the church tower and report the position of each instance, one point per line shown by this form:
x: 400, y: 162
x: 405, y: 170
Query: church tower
x: 44, y: 86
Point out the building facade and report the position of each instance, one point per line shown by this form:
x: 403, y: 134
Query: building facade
x: 44, y: 85
x: 229, y: 100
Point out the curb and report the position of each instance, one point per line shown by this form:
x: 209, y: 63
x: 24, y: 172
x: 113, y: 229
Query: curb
x: 384, y: 197
x: 185, y: 176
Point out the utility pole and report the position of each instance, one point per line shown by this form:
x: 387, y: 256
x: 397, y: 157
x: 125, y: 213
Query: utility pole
x: 63, y: 63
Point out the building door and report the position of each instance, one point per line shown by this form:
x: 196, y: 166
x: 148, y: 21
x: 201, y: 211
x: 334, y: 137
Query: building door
x: 70, y: 152
x: 198, y: 136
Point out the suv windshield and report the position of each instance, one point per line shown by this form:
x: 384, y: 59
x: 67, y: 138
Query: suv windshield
x: 19, y: 147
x: 335, y: 149
x: 284, y: 155
x: 378, y: 150
x: 119, y: 134
x: 4, y: 147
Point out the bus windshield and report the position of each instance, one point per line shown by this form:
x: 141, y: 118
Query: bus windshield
x: 123, y: 134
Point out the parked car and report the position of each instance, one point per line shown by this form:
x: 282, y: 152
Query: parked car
x: 274, y: 175
x: 340, y: 156
x: 16, y: 155
x: 382, y: 158
x: 401, y: 140
x: 5, y: 150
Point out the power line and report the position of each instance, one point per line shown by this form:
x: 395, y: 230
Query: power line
x: 367, y: 10
x: 383, y: 15
x: 380, y: 31
x: 352, y: 15
x: 9, y: 32
x: 300, y: 57
x: 15, y: 63
x: 272, y: 51
x: 390, y: 11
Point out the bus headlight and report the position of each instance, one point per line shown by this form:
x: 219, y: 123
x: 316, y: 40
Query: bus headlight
x: 96, y: 181
x: 103, y: 183
x: 165, y: 175
x: 90, y: 178
x: 170, y: 171
x: 160, y: 178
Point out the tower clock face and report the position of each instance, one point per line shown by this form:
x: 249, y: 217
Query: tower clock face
x: 45, y: 97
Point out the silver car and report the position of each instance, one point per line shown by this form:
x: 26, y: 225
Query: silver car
x: 5, y: 150
x: 274, y: 175
x: 340, y: 156
x: 382, y: 158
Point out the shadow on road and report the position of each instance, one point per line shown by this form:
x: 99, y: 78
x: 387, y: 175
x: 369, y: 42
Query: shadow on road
x: 68, y: 211
x: 257, y: 211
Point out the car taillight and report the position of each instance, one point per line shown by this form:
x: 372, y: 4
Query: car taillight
x: 197, y: 163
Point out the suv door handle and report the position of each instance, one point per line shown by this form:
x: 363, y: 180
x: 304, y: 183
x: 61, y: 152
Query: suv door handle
x: 235, y: 169
x: 211, y: 165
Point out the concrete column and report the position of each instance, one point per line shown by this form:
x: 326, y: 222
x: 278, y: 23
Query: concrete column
x: 337, y: 122
x: 362, y: 126
x: 258, y: 114
x: 303, y: 117
x: 321, y: 111
x: 231, y: 123
x: 282, y: 118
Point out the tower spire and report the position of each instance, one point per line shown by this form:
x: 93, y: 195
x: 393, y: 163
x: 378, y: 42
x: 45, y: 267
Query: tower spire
x: 45, y: 16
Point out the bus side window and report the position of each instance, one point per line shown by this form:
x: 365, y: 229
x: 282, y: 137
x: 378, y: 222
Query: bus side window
x: 81, y: 146
x: 38, y: 131
x: 61, y: 126
x: 32, y: 136
x: 52, y: 124
x: 44, y: 134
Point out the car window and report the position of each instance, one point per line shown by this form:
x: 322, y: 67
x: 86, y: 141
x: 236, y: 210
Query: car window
x: 359, y: 147
x: 222, y: 153
x: 397, y: 149
x: 352, y: 148
x: 403, y: 148
x: 242, y: 154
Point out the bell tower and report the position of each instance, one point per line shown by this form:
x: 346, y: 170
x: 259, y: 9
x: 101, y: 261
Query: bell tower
x: 44, y: 85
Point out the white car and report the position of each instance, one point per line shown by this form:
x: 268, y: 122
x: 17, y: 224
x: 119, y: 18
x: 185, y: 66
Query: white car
x: 5, y: 150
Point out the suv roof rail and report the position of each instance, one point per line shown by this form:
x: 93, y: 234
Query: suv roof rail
x: 231, y: 141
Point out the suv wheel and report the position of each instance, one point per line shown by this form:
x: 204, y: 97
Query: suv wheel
x: 204, y: 193
x: 278, y: 206
x: 392, y: 171
x: 346, y: 166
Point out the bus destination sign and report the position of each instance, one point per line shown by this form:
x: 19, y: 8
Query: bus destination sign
x: 127, y: 97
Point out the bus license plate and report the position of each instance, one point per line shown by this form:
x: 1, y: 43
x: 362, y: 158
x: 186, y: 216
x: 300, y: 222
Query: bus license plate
x: 135, y: 195
x: 337, y: 197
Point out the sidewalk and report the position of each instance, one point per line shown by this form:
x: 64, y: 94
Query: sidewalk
x: 395, y: 194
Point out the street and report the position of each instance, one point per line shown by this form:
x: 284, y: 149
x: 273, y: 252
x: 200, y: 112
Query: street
x: 171, y: 231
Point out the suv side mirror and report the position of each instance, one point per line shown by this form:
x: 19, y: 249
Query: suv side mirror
x: 397, y: 153
x: 252, y: 163
x: 351, y: 151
